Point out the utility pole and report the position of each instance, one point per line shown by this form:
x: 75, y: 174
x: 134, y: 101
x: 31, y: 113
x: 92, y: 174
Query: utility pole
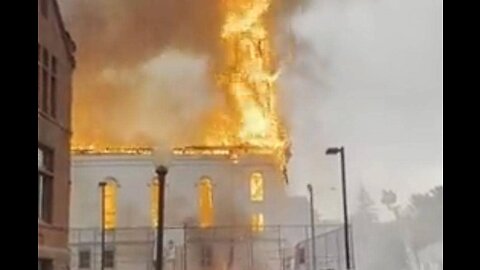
x: 334, y: 151
x: 312, y: 227
x: 161, y: 173
x: 102, y: 186
x: 345, y: 208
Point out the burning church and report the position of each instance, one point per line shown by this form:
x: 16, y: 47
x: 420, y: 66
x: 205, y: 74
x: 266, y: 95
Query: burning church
x: 222, y: 208
x: 224, y: 196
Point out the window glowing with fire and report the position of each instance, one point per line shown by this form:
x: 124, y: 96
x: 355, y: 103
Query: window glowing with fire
x: 258, y: 222
x: 154, y: 201
x: 256, y: 187
x: 205, y: 202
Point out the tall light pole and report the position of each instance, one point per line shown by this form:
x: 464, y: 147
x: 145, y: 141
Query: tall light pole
x: 334, y: 151
x: 102, y: 186
x: 161, y: 173
x: 312, y: 227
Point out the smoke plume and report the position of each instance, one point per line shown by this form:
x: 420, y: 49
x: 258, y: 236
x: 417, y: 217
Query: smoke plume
x: 144, y: 67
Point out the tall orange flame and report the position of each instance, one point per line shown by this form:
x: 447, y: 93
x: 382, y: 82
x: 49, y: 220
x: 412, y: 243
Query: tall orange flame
x: 247, y: 78
x: 248, y: 81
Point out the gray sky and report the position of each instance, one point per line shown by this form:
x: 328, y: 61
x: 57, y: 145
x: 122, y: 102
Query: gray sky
x: 368, y: 75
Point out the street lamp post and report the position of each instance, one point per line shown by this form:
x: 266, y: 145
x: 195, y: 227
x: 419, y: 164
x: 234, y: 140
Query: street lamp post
x: 102, y: 186
x: 312, y: 227
x: 334, y: 151
x: 161, y: 173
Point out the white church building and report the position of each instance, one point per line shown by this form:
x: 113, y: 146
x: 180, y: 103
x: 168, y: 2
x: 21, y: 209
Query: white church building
x: 223, y: 210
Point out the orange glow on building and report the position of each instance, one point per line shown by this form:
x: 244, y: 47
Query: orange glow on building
x: 110, y: 205
x: 256, y: 187
x: 258, y: 223
x: 205, y: 202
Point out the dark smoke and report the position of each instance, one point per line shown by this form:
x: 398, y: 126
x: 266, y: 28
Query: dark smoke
x: 126, y: 33
x: 119, y: 37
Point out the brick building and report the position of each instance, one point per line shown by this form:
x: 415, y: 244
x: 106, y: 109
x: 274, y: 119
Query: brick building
x: 55, y: 67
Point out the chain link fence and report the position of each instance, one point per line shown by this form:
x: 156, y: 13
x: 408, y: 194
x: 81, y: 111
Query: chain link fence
x: 278, y: 247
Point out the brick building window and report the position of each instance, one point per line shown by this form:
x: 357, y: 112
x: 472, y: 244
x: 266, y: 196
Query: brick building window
x: 39, y: 74
x: 53, y: 97
x: 44, y: 106
x: 84, y: 259
x: 45, y: 264
x: 53, y: 87
x: 45, y: 58
x: 45, y: 183
x: 47, y: 82
x: 44, y: 88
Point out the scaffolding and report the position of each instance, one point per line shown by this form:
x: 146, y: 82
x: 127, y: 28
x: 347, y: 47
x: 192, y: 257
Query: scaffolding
x: 195, y: 248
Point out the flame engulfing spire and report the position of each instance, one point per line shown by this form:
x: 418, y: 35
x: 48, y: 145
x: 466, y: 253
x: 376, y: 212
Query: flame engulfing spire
x: 245, y: 70
x: 247, y: 79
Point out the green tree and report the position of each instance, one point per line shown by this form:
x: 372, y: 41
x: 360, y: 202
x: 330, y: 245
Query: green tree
x: 425, y: 219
